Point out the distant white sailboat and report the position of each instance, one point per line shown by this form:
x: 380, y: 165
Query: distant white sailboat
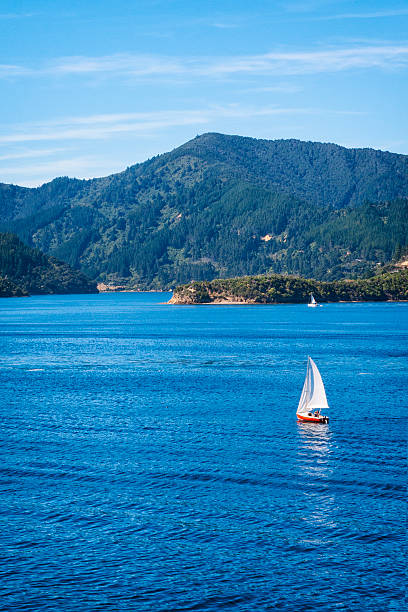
x: 313, y: 398
x: 312, y: 302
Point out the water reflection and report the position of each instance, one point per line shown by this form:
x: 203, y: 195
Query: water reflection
x: 314, y: 445
x: 315, y: 469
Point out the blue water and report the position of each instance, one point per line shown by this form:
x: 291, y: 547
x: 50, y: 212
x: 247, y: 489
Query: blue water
x: 151, y: 458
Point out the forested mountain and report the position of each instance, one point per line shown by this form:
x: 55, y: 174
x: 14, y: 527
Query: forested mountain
x: 222, y: 206
x: 24, y: 270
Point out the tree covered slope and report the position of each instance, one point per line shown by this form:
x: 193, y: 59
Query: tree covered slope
x: 24, y: 270
x: 10, y: 289
x: 220, y: 206
x: 276, y: 288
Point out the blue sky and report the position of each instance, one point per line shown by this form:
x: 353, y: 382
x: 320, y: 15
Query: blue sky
x: 90, y: 87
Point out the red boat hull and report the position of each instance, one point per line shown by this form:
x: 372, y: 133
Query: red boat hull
x: 313, y: 419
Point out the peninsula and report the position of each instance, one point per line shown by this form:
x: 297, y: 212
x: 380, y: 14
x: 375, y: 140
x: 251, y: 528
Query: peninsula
x: 281, y: 289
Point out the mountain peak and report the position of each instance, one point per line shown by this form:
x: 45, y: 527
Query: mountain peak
x: 205, y: 208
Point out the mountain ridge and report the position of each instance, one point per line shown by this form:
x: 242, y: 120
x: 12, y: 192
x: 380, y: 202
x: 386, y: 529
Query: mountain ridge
x: 202, y: 137
x: 206, y: 209
x: 212, y: 142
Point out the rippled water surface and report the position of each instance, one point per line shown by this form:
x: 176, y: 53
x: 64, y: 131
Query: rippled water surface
x: 151, y: 458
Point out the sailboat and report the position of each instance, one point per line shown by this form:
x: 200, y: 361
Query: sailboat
x: 313, y: 398
x: 312, y: 302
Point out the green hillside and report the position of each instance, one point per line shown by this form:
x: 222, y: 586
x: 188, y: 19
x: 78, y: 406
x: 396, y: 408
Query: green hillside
x: 291, y: 289
x: 26, y: 271
x: 10, y: 289
x: 221, y: 206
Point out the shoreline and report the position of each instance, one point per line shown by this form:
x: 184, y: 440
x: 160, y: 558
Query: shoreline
x: 228, y: 303
x: 102, y: 288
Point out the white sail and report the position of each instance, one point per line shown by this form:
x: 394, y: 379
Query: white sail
x: 313, y: 394
x: 306, y: 393
x: 318, y: 397
x: 312, y: 300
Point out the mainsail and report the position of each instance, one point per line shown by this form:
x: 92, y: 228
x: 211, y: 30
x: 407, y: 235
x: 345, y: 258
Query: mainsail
x: 313, y: 393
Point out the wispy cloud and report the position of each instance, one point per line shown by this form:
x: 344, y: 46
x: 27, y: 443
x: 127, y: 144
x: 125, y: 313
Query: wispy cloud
x: 27, y: 154
x: 306, y: 6
x: 16, y: 15
x: 298, y: 63
x: 134, y: 65
x: 368, y: 15
x: 224, y: 25
x: 281, y: 88
x: 36, y: 174
x: 13, y: 70
x: 97, y: 127
x: 60, y: 165
x: 274, y: 63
